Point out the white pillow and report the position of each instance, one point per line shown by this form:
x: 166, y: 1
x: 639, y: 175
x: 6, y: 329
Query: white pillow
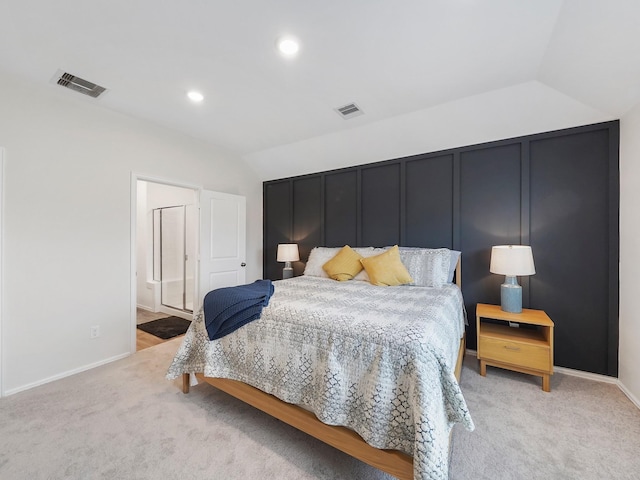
x: 455, y: 255
x: 317, y: 258
x: 429, y: 267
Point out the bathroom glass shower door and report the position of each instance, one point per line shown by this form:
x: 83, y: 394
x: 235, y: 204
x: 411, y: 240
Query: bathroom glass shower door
x: 174, y: 257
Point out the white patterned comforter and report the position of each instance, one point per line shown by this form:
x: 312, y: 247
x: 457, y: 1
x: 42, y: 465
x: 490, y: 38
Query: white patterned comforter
x: 379, y: 360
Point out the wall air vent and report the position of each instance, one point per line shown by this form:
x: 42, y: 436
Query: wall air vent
x: 349, y: 111
x: 79, y: 85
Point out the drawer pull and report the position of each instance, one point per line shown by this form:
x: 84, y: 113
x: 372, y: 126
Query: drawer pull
x: 509, y: 347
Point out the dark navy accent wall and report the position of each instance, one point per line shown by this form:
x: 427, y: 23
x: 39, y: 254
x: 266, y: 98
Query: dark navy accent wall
x: 429, y: 201
x: 380, y: 194
x: 277, y: 226
x: 307, y: 216
x: 569, y: 220
x: 489, y: 215
x: 341, y: 207
x: 557, y: 191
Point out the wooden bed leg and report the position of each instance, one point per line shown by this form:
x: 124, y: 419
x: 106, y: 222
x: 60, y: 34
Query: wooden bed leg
x: 185, y: 383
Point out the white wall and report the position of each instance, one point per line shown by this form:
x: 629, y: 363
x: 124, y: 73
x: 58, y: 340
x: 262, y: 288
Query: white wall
x: 629, y: 374
x: 523, y: 109
x: 67, y: 223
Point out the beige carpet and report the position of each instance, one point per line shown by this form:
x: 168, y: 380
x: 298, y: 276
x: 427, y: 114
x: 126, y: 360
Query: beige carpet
x: 581, y: 430
x: 125, y: 421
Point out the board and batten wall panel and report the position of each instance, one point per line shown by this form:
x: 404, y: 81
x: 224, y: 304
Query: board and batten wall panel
x: 341, y: 208
x: 307, y: 212
x: 428, y: 179
x: 277, y: 225
x: 569, y: 207
x: 490, y: 211
x: 557, y: 191
x: 380, y: 193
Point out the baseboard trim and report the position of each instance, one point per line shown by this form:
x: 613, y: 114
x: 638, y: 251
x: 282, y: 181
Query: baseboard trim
x: 629, y: 395
x: 64, y: 375
x: 587, y: 375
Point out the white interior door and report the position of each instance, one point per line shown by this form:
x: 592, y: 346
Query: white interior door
x: 222, y: 241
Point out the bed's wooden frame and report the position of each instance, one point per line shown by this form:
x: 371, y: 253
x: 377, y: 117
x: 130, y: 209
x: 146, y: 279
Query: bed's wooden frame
x: 393, y: 462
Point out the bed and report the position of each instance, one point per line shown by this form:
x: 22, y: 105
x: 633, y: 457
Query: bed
x: 369, y: 370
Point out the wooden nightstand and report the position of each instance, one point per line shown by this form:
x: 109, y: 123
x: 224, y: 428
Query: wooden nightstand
x: 526, y: 350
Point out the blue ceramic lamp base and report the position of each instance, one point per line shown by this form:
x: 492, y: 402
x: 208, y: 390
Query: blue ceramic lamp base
x: 511, y: 295
x: 287, y: 271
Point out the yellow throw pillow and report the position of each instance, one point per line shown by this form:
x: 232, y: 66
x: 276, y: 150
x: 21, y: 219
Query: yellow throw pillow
x: 386, y: 269
x: 345, y: 265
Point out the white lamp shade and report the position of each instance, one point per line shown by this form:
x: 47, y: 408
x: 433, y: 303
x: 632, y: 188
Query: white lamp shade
x: 288, y: 252
x: 512, y: 260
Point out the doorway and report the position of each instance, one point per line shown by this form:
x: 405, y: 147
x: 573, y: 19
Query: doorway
x: 166, y: 246
x: 174, y: 255
x: 215, y: 246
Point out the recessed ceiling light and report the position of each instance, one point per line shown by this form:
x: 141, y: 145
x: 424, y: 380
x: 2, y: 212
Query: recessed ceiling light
x: 195, y: 96
x: 288, y: 46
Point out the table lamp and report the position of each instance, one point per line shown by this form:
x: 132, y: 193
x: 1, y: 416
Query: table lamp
x: 287, y: 253
x: 511, y: 261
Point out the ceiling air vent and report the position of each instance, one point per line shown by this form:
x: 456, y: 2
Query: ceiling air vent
x: 80, y: 85
x: 349, y: 111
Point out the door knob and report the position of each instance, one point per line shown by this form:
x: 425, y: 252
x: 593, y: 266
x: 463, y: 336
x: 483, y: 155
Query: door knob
x: 243, y: 264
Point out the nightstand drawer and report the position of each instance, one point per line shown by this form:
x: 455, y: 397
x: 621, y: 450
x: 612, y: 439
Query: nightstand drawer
x: 515, y: 353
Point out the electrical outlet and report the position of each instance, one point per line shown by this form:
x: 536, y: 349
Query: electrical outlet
x: 94, y: 332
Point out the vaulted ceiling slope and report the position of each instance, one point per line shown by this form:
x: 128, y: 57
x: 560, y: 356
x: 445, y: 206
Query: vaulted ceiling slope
x: 391, y: 58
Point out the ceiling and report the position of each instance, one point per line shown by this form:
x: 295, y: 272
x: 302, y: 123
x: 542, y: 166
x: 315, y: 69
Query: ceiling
x: 389, y: 57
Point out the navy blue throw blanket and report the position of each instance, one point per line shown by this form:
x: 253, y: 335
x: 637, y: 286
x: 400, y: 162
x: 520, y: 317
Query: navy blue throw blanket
x: 227, y: 309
